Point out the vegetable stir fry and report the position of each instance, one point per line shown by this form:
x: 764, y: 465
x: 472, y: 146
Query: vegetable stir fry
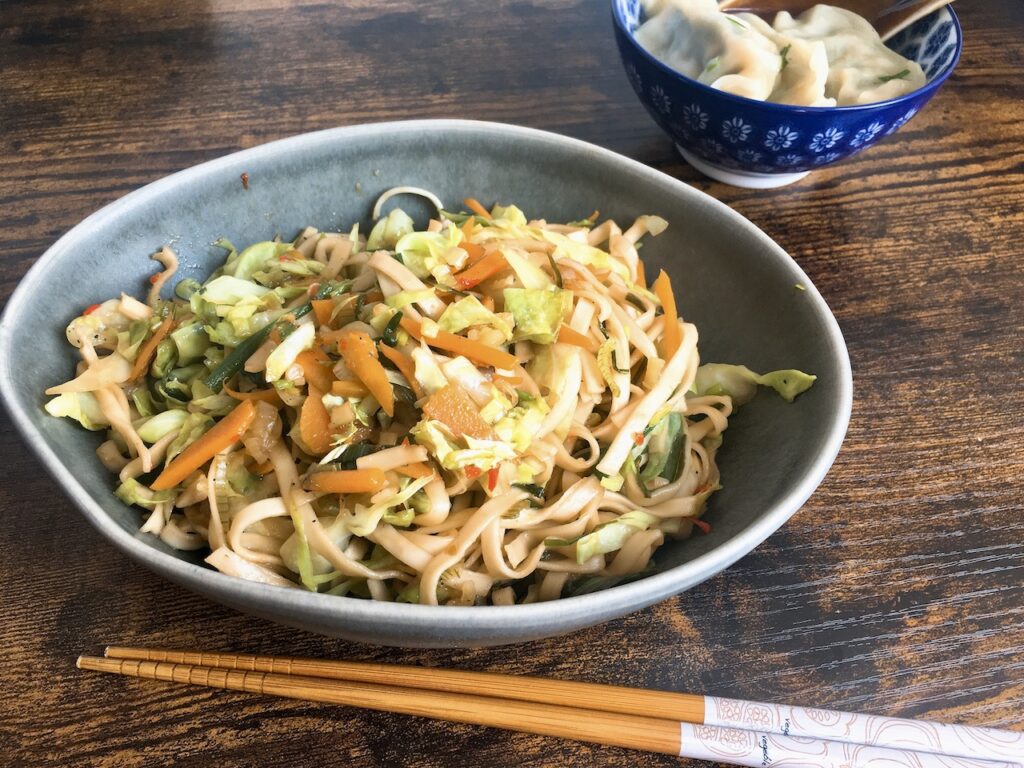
x: 489, y: 410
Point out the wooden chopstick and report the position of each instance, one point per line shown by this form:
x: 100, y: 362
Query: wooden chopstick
x: 768, y: 719
x: 524, y: 704
x: 607, y: 728
x: 606, y: 698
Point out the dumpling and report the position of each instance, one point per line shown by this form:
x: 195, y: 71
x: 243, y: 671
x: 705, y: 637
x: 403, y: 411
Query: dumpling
x: 682, y: 36
x: 861, y: 69
x: 803, y: 68
x: 826, y: 56
x: 747, y: 63
x: 723, y: 51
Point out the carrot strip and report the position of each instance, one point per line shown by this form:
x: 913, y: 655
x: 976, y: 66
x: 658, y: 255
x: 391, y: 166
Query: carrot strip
x: 148, y: 349
x: 315, y: 423
x: 348, y: 389
x: 474, y: 205
x: 671, y: 336
x: 223, y: 434
x: 468, y: 228
x: 416, y: 469
x: 347, y: 481
x: 405, y: 366
x: 474, y: 350
x: 454, y: 408
x: 322, y: 308
x: 316, y: 368
x: 360, y: 355
x: 488, y: 266
x: 266, y: 395
x: 475, y: 251
x: 641, y: 278
x: 567, y: 335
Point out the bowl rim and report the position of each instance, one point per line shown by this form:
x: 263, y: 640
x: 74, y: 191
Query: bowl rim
x: 791, y: 109
x: 474, y: 623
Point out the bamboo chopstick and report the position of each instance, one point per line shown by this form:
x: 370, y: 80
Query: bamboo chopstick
x: 768, y: 719
x: 607, y: 728
x: 729, y: 745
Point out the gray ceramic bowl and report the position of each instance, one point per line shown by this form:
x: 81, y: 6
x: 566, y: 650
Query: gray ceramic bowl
x: 735, y: 283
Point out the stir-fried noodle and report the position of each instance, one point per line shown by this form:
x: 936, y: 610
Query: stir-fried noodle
x: 489, y: 410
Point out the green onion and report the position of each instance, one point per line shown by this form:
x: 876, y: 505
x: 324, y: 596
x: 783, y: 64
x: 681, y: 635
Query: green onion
x: 234, y: 362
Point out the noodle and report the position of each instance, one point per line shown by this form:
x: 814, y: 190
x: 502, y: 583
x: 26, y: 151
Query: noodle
x: 522, y: 430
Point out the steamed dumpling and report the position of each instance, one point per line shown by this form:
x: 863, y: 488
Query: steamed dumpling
x: 803, y: 67
x: 695, y: 38
x: 826, y: 56
x: 862, y: 70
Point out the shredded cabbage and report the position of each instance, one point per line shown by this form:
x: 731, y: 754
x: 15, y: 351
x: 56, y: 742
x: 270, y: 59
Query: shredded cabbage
x: 254, y: 258
x: 607, y: 537
x: 741, y: 383
x: 388, y: 231
x: 161, y: 425
x: 284, y: 354
x: 538, y: 312
x: 80, y: 406
x: 468, y: 312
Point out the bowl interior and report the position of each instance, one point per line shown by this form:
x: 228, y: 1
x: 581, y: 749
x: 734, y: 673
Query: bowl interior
x: 734, y: 283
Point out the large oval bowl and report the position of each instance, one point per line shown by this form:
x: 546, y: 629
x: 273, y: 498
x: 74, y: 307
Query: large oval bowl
x: 735, y: 283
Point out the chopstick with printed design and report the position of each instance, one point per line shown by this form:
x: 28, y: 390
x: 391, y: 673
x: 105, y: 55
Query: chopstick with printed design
x: 737, y: 732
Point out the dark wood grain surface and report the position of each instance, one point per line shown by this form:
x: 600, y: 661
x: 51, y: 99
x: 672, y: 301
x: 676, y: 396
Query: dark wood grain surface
x: 896, y: 590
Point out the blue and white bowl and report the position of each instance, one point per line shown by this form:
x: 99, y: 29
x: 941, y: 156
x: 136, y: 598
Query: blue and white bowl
x: 758, y: 144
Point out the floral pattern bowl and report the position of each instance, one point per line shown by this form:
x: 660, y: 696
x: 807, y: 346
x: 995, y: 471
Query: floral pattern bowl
x: 758, y: 144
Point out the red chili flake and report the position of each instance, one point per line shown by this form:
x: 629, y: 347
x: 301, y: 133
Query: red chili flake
x: 90, y: 309
x: 705, y: 528
x: 638, y: 438
x: 154, y: 278
x: 473, y: 472
x: 245, y: 181
x: 492, y: 479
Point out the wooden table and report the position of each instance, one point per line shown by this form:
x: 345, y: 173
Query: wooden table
x: 896, y: 590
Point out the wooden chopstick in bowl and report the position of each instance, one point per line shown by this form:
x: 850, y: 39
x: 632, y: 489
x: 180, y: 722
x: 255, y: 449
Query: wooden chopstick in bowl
x: 684, y: 724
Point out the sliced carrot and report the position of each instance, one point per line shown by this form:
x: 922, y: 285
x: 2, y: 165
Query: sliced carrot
x: 266, y: 395
x: 567, y: 335
x: 322, y: 308
x: 223, y: 434
x: 671, y: 336
x: 348, y: 388
x: 148, y: 349
x: 416, y: 469
x: 641, y: 278
x: 474, y: 350
x: 265, y: 468
x: 468, y: 228
x: 474, y: 250
x: 454, y: 408
x: 315, y: 423
x: 347, y: 481
x: 360, y: 355
x: 487, y: 267
x: 316, y: 368
x: 405, y: 366
x: 474, y: 205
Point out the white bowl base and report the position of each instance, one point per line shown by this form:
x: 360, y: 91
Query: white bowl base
x: 746, y: 179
